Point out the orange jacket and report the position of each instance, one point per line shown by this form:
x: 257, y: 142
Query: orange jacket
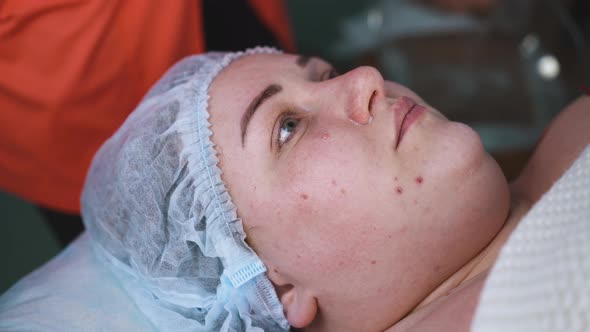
x: 72, y: 70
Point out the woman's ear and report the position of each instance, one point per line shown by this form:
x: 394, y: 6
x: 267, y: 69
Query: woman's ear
x: 300, y: 307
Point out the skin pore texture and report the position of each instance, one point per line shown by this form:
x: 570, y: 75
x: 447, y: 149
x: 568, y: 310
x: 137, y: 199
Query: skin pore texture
x: 359, y: 232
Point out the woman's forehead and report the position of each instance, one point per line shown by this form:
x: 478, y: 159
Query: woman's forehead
x: 249, y: 73
x: 267, y: 67
x: 260, y: 64
x: 242, y: 80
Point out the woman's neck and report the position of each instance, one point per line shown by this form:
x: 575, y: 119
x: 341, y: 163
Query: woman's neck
x: 483, y: 261
x: 453, y: 303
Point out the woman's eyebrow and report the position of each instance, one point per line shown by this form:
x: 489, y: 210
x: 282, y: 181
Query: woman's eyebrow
x: 270, y: 91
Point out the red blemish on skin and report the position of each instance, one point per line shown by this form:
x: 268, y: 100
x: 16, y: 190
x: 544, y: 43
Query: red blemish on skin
x: 395, y: 178
x: 333, y: 182
x: 399, y: 190
x: 304, y: 196
x: 373, y: 262
x: 419, y: 180
x: 415, y: 202
x: 326, y: 136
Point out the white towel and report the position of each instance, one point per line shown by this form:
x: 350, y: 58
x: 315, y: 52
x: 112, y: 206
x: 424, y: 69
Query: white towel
x: 541, y: 280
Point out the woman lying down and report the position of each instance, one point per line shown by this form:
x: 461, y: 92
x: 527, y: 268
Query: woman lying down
x: 263, y: 191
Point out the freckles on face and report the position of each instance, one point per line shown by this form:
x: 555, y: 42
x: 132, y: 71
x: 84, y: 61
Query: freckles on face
x: 312, y: 199
x: 317, y: 196
x: 337, y: 209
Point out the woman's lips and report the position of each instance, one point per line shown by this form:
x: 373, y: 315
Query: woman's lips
x: 406, y: 113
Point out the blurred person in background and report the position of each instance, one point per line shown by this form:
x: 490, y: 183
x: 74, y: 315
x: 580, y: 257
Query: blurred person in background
x: 71, y: 71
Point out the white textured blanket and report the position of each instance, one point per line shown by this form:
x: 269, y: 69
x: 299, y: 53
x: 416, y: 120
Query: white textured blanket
x: 541, y: 281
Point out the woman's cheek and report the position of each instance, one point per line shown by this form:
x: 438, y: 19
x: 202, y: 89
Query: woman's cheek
x: 454, y: 151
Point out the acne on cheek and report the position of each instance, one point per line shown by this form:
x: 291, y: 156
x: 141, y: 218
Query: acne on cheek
x: 400, y: 189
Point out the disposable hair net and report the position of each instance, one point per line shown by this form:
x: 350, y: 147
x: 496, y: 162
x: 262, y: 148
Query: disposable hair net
x: 159, y: 214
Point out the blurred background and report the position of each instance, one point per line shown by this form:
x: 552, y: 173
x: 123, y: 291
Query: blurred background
x: 504, y: 67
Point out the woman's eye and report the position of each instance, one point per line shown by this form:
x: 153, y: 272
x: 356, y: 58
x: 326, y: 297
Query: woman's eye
x: 286, y: 130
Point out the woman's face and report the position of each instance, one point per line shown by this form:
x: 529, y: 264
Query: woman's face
x: 345, y: 214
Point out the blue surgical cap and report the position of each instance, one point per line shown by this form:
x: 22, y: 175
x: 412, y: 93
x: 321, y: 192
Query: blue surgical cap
x: 158, y: 213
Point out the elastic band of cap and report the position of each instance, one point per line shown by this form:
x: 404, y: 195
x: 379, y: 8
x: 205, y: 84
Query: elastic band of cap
x: 246, y: 273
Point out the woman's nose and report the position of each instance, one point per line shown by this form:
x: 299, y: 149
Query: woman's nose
x: 361, y: 89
